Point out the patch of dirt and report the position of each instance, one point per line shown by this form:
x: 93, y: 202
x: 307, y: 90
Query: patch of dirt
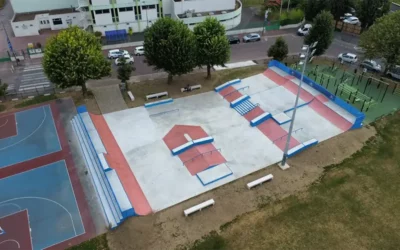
x: 169, y: 229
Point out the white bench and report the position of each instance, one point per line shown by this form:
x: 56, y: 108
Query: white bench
x: 131, y: 96
x: 199, y: 207
x: 157, y: 95
x: 194, y: 87
x: 260, y: 181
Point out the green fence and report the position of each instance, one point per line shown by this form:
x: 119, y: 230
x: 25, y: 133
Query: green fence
x: 272, y: 25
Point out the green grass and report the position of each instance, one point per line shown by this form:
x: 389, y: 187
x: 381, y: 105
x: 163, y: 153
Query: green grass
x: 353, y: 206
x: 252, y: 3
x: 35, y: 100
x: 98, y: 243
x: 211, y: 241
x: 2, y: 108
x: 396, y: 1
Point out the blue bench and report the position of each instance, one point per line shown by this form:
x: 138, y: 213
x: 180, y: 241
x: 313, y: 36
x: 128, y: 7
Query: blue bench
x: 260, y: 119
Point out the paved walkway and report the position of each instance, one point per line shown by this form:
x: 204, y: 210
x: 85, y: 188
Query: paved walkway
x: 108, y: 95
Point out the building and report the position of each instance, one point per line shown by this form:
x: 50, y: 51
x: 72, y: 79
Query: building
x: 117, y: 16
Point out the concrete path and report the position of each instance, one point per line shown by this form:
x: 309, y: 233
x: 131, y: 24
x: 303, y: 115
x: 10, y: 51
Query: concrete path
x: 108, y: 95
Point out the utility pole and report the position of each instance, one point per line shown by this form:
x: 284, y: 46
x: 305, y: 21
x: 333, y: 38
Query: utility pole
x: 309, y: 52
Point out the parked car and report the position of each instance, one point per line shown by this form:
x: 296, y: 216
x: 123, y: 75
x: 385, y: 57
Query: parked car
x: 348, y: 57
x: 116, y: 53
x: 139, y: 51
x: 251, y: 38
x: 371, y: 65
x: 346, y: 15
x: 129, y: 59
x: 395, y: 72
x: 351, y: 20
x: 233, y: 40
x: 304, y: 30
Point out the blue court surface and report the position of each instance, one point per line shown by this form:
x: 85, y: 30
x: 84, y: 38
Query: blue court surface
x: 36, y: 136
x: 47, y: 194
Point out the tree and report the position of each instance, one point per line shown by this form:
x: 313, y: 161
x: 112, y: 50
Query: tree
x: 124, y: 71
x: 170, y: 46
x: 3, y: 89
x: 73, y: 57
x: 339, y: 8
x: 313, y: 7
x: 279, y: 49
x: 369, y: 10
x: 322, y: 31
x: 382, y: 39
x: 211, y: 44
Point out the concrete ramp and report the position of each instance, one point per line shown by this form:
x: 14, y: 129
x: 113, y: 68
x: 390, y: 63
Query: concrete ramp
x: 214, y: 174
x: 109, y: 98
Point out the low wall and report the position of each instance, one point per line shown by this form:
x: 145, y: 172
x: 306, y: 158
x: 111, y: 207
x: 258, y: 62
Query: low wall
x: 352, y: 110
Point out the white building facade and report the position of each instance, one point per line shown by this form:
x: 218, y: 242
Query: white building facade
x: 107, y: 16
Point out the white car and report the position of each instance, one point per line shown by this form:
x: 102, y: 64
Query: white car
x: 115, y: 53
x: 395, y: 72
x: 129, y: 59
x: 139, y: 51
x: 348, y: 57
x: 251, y: 38
x: 305, y: 30
x: 352, y: 20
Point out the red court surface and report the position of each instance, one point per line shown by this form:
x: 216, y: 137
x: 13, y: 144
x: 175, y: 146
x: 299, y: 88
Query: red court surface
x: 198, y: 158
x: 275, y: 77
x: 8, y: 127
x: 64, y: 154
x: 117, y: 161
x: 322, y: 98
x: 330, y: 115
x: 17, y: 232
x: 304, y: 95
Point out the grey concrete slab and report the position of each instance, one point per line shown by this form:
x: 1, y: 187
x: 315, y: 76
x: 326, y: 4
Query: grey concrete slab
x: 109, y: 98
x: 279, y: 71
x: 257, y: 83
x: 307, y: 87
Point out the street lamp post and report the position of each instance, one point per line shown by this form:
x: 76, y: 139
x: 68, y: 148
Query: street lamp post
x: 309, y: 51
x: 9, y: 43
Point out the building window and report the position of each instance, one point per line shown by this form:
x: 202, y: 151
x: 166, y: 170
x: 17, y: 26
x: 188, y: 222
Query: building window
x: 125, y: 9
x: 148, y: 7
x: 93, y: 18
x: 105, y: 11
x: 159, y: 11
x: 138, y: 13
x: 57, y: 21
x: 114, y: 14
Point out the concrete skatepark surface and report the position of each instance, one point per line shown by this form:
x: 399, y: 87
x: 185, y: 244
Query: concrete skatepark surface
x: 165, y: 180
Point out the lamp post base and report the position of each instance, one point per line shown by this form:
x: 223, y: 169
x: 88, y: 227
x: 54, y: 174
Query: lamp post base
x: 283, y: 167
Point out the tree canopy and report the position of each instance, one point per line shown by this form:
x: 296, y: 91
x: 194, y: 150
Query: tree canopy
x: 124, y: 71
x: 211, y: 44
x: 73, y: 57
x: 313, y: 7
x: 322, y: 31
x: 382, y: 39
x: 369, y: 10
x: 279, y: 49
x: 170, y: 46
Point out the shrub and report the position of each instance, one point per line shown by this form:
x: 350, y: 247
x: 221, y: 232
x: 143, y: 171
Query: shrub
x: 2, y: 107
x: 292, y: 17
x: 98, y: 34
x: 35, y: 100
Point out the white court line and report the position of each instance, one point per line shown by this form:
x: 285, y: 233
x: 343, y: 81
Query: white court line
x: 11, y: 240
x: 34, y: 131
x: 12, y: 204
x: 45, y: 199
x: 4, y: 124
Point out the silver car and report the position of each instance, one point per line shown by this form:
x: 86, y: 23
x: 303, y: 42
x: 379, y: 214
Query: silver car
x: 253, y: 37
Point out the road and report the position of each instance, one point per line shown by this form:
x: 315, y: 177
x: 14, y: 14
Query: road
x: 239, y: 52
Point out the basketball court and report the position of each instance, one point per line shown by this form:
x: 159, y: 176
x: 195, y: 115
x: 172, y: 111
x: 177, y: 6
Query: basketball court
x: 44, y: 206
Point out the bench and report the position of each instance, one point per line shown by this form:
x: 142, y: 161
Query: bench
x: 239, y: 100
x: 194, y: 87
x: 157, y: 95
x: 260, y: 119
x: 131, y: 96
x: 260, y: 181
x: 199, y: 207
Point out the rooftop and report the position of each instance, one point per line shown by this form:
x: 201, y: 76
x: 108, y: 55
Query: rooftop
x: 19, y: 17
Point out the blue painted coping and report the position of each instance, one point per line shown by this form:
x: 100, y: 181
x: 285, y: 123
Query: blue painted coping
x: 242, y: 99
x: 227, y: 84
x: 220, y: 178
x: 352, y: 110
x: 81, y: 109
x: 98, y: 160
x: 183, y: 149
x: 152, y: 104
x: 266, y: 116
x: 193, y: 143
